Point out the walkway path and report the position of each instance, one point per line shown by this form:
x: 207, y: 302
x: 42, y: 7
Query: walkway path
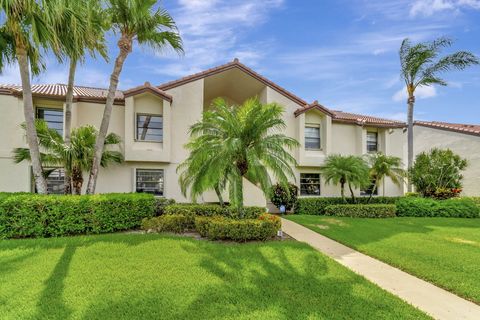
x: 432, y: 300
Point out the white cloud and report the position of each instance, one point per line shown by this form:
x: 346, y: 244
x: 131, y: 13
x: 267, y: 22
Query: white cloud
x: 212, y: 31
x: 420, y: 93
x: 430, y: 7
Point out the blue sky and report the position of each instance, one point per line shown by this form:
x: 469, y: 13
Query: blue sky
x: 341, y: 52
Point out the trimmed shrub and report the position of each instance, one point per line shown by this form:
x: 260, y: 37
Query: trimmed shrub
x: 209, y: 210
x: 317, y: 205
x: 30, y: 215
x: 160, y: 204
x: 221, y: 228
x: 426, y: 207
x: 167, y: 223
x: 361, y: 210
x: 280, y: 196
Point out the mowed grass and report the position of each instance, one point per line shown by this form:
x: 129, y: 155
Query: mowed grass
x: 444, y: 251
x: 137, y: 276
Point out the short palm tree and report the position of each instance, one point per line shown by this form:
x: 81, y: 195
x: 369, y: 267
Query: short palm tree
x: 235, y: 142
x: 382, y: 167
x: 27, y: 30
x: 75, y: 157
x: 133, y: 20
x: 422, y: 66
x: 345, y: 170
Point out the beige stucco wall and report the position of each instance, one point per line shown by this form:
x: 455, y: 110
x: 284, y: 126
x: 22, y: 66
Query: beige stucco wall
x: 467, y: 146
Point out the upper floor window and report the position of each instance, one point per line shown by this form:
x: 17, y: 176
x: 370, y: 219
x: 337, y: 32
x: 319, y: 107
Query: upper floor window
x: 312, y: 137
x: 53, y: 118
x: 149, y: 181
x: 149, y: 127
x: 309, y: 184
x: 372, y: 141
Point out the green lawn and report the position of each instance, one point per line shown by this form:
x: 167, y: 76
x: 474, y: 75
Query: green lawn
x: 136, y: 276
x: 444, y: 251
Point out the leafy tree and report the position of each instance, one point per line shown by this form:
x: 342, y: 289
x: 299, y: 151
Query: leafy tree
x: 81, y: 27
x: 27, y: 29
x: 382, y: 167
x: 437, y: 170
x: 75, y: 157
x: 133, y: 20
x: 422, y: 66
x: 352, y: 171
x: 284, y: 196
x: 235, y: 142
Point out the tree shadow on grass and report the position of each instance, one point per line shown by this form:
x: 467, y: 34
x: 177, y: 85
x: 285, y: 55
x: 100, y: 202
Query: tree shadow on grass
x: 284, y: 280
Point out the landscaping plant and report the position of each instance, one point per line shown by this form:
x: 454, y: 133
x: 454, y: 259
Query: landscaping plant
x: 284, y: 196
x: 382, y: 167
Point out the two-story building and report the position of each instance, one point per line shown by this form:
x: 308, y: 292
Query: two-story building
x: 153, y: 122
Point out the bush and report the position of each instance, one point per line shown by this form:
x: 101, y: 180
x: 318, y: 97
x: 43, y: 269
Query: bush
x: 221, y: 228
x: 437, y: 171
x: 361, y: 210
x: 317, y: 205
x: 209, y: 210
x: 30, y: 215
x: 426, y: 207
x: 280, y: 196
x: 160, y: 204
x: 444, y: 193
x: 168, y: 223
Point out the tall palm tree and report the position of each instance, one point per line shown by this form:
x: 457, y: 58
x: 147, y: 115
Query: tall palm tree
x: 82, y: 29
x: 422, y: 66
x: 28, y: 28
x: 382, y: 167
x: 133, y: 20
x: 231, y: 143
x: 75, y: 157
x: 345, y: 170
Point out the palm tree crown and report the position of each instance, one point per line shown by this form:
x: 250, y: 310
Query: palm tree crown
x: 345, y: 170
x: 76, y: 157
x: 382, y: 167
x: 235, y: 142
x: 421, y: 66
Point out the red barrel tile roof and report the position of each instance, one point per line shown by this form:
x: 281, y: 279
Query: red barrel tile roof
x: 473, y: 129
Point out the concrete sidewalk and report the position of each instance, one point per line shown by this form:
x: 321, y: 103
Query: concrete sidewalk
x: 433, y: 300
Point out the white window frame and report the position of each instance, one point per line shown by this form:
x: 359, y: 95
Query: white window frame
x: 151, y: 169
x: 319, y: 185
x: 376, y: 139
x: 136, y: 126
x: 52, y: 109
x: 315, y: 126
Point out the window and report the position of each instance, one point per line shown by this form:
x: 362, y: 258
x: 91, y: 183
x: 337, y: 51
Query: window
x: 149, y: 181
x: 309, y: 184
x: 53, y: 118
x: 312, y: 137
x: 55, y: 180
x: 372, y: 141
x: 369, y: 190
x: 149, y: 128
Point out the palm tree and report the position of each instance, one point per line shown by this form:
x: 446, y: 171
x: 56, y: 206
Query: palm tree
x: 422, y: 66
x: 75, y: 157
x: 81, y: 28
x: 231, y: 143
x: 133, y: 20
x: 28, y: 28
x: 345, y: 170
x: 382, y: 167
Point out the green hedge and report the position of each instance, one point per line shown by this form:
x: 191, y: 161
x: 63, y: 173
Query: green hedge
x: 209, y: 210
x: 317, y: 205
x: 426, y: 207
x: 29, y: 215
x: 361, y: 210
x: 167, y: 223
x: 221, y: 228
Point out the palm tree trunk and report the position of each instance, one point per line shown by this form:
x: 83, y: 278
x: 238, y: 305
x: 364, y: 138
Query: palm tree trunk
x: 32, y: 138
x: 77, y: 180
x: 68, y: 120
x: 342, y: 191
x: 372, y: 192
x: 125, y: 45
x: 411, y: 102
x: 219, y: 195
x: 351, y: 192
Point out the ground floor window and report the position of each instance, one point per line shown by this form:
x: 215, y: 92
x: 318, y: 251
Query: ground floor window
x: 150, y: 181
x: 370, y: 190
x: 309, y: 184
x: 55, y: 180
